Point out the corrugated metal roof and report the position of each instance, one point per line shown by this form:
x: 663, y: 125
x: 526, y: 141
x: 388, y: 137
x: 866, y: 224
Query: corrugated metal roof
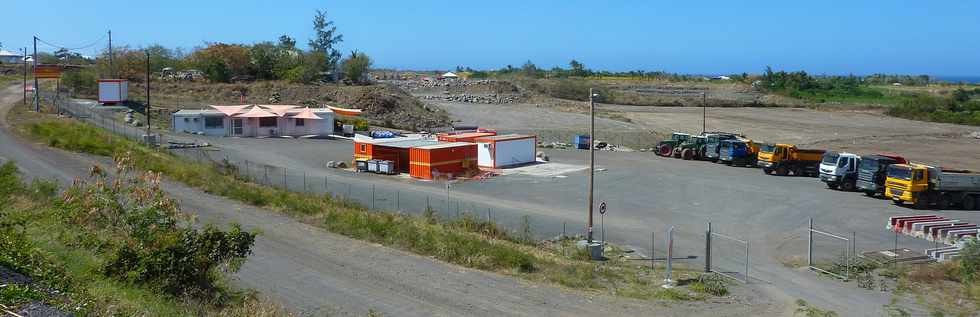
x: 444, y: 145
x: 506, y: 137
x: 190, y: 112
x: 408, y: 143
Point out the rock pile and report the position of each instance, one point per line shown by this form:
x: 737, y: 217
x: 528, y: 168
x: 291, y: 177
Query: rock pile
x: 468, y: 98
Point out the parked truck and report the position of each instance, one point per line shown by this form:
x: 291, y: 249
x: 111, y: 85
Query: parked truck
x: 839, y: 170
x: 924, y: 186
x: 738, y: 152
x: 666, y: 147
x: 712, y: 145
x: 783, y: 159
x: 873, y: 170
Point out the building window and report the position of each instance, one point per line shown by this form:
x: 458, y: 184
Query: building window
x: 363, y: 148
x: 214, y: 122
x: 300, y: 122
x: 267, y: 122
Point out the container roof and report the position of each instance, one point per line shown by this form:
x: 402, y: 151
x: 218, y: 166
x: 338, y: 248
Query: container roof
x: 505, y: 137
x: 470, y: 134
x: 406, y: 144
x: 444, y: 145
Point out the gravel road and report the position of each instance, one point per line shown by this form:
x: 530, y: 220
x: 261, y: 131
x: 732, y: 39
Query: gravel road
x: 314, y: 272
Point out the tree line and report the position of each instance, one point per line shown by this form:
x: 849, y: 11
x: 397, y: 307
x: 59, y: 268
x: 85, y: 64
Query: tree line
x: 280, y: 59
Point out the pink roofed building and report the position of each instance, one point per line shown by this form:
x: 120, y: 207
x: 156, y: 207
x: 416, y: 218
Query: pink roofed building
x: 255, y: 121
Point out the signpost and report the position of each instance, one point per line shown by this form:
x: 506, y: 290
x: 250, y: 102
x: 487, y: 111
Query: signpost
x: 47, y: 71
x: 602, y: 221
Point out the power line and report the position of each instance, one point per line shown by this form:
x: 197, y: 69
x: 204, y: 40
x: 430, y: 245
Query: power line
x: 96, y: 42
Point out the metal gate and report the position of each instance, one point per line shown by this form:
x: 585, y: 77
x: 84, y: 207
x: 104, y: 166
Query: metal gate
x: 845, y: 251
x: 730, y: 264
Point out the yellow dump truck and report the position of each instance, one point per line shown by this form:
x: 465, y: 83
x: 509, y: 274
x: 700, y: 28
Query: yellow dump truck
x: 924, y: 186
x: 785, y: 158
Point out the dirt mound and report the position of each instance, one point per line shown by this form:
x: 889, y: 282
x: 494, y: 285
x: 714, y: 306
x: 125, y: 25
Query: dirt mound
x: 383, y: 104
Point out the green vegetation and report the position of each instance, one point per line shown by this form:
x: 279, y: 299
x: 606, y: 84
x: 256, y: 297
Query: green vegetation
x: 71, y: 254
x: 959, y: 108
x: 355, y: 67
x: 805, y: 310
x: 464, y: 241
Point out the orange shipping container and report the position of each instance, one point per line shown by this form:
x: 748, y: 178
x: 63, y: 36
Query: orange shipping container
x: 396, y: 151
x: 465, y: 137
x: 443, y: 160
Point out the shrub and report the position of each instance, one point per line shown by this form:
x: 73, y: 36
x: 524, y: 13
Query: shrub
x: 970, y: 260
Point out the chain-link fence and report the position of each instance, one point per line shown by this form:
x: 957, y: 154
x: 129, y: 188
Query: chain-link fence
x: 830, y: 253
x: 727, y: 255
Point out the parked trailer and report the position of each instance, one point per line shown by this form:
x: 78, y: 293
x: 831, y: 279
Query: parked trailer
x: 783, y: 159
x: 924, y: 186
x: 873, y: 170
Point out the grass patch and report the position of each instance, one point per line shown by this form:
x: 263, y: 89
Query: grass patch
x: 66, y: 262
x: 804, y: 309
x: 467, y: 242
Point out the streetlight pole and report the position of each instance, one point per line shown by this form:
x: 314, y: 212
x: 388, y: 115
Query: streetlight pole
x: 37, y: 100
x: 704, y: 112
x: 147, y: 92
x: 25, y: 75
x: 591, y: 160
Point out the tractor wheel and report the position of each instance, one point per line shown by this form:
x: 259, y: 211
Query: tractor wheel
x: 847, y: 186
x: 665, y: 150
x: 971, y: 203
x: 676, y: 153
x: 781, y: 171
x: 687, y: 154
x: 832, y: 185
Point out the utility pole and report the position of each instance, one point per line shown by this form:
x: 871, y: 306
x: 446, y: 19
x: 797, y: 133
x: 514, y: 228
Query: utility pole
x: 147, y: 92
x: 704, y: 112
x: 591, y: 160
x: 111, y: 70
x: 37, y: 92
x: 25, y: 75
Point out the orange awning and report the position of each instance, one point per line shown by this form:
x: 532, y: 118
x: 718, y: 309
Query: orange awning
x: 229, y: 110
x: 345, y: 111
x: 307, y: 113
x: 256, y: 112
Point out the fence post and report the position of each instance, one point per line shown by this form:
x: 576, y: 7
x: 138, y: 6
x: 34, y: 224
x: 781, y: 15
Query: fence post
x: 265, y: 168
x: 427, y: 206
x: 248, y: 176
x: 707, y: 249
x: 653, y: 250
x: 809, y: 243
x: 304, y: 183
x: 372, y: 197
x: 398, y: 200
x: 348, y: 192
x: 284, y: 185
x: 746, y: 262
x: 489, y: 219
x: 326, y: 187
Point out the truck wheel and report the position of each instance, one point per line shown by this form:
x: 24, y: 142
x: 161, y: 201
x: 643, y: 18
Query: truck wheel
x: 897, y: 202
x: 767, y: 171
x: 847, y: 186
x: 869, y: 193
x: 797, y: 171
x: 781, y: 171
x: 687, y: 154
x: 971, y: 203
x: 945, y: 201
x: 831, y: 185
x: 922, y: 203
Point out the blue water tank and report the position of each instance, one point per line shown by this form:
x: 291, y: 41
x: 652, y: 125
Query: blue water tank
x: 581, y: 141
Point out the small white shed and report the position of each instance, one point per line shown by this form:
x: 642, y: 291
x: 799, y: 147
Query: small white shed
x: 506, y: 150
x: 113, y: 91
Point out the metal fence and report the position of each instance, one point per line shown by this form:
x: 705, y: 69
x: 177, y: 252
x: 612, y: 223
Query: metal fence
x: 726, y: 255
x: 829, y: 253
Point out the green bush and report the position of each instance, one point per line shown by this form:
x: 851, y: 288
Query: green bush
x: 970, y: 260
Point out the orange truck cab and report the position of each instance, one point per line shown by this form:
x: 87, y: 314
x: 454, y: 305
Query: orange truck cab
x: 783, y: 159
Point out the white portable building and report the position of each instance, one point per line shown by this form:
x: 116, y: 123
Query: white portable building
x: 506, y: 150
x: 113, y: 91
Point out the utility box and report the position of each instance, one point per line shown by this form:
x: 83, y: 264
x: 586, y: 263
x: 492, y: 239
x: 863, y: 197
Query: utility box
x: 113, y: 91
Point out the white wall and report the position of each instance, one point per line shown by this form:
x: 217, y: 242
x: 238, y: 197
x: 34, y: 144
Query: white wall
x: 514, y: 152
x: 484, y: 154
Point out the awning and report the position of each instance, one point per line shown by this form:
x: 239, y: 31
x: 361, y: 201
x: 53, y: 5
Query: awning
x: 306, y: 113
x: 279, y: 110
x: 345, y: 111
x: 229, y: 110
x: 256, y: 112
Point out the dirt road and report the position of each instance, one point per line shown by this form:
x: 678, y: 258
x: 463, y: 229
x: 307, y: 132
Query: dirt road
x: 314, y: 273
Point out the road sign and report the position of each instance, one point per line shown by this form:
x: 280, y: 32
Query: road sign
x: 602, y: 208
x: 47, y: 71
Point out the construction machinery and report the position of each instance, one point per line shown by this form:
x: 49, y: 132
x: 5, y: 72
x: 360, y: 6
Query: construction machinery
x: 738, y: 152
x: 924, y: 186
x: 666, y: 147
x: 713, y: 144
x: 839, y: 170
x: 692, y: 149
x: 872, y: 172
x: 787, y: 158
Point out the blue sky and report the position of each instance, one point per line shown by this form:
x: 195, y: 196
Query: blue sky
x: 704, y: 37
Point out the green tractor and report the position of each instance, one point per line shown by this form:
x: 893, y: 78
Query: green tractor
x: 666, y: 147
x: 692, y: 149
